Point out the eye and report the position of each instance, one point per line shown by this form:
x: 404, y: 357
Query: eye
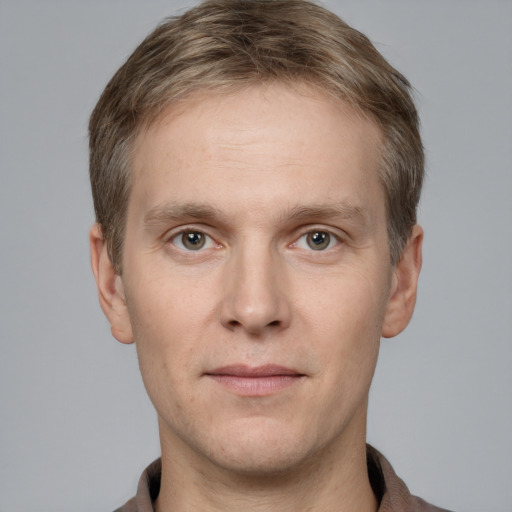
x: 192, y: 241
x: 317, y: 240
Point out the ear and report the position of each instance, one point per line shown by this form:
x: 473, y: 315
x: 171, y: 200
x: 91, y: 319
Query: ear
x: 110, y: 288
x: 404, y: 286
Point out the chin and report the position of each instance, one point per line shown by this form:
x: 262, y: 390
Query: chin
x: 263, y: 449
x: 259, y: 462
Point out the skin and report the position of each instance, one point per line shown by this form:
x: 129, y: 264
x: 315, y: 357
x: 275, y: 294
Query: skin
x: 255, y: 175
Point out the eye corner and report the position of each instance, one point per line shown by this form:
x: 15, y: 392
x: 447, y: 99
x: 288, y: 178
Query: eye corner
x: 317, y: 239
x: 192, y: 240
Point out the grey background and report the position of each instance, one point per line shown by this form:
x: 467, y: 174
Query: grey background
x: 76, y: 426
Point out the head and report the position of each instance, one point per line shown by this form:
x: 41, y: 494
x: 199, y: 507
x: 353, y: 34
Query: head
x: 229, y: 45
x: 256, y: 168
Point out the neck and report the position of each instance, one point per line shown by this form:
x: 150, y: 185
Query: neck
x: 334, y: 480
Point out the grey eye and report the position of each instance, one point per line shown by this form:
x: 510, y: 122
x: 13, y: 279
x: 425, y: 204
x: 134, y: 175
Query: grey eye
x: 318, y: 240
x: 193, y: 240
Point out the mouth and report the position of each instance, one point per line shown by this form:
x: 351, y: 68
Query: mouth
x: 255, y: 381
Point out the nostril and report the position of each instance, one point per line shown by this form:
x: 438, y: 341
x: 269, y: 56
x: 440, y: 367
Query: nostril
x: 236, y: 324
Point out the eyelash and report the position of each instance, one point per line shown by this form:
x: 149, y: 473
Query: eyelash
x: 177, y: 239
x: 332, y: 240
x: 207, y: 240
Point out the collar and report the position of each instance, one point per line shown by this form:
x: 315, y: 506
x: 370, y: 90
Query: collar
x: 391, y: 492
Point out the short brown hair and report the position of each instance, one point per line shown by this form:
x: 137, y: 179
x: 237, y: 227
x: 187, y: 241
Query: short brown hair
x: 229, y: 44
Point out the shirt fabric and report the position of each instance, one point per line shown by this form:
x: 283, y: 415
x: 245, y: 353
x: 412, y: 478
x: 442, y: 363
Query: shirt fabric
x: 390, y: 490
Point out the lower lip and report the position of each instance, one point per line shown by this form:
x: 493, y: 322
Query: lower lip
x: 256, y: 386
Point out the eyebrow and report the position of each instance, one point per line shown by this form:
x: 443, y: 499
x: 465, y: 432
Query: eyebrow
x: 171, y: 211
x: 340, y: 210
x: 174, y: 211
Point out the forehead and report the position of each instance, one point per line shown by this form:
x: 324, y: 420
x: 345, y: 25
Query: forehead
x: 242, y: 109
x: 264, y: 144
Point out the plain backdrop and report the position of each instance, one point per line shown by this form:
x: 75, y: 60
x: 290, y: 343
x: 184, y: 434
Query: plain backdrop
x: 76, y: 426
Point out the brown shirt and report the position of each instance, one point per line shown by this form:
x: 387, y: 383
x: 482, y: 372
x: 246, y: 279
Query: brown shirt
x: 390, y: 490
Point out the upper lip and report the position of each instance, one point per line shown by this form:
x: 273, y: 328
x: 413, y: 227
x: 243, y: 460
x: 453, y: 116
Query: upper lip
x: 242, y: 370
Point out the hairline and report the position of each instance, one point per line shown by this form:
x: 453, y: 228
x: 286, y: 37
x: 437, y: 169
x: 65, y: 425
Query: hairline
x: 305, y: 85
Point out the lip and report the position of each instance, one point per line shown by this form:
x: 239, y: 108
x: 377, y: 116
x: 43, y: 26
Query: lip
x: 255, y: 380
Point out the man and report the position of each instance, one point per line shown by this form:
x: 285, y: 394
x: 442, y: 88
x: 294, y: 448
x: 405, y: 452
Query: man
x: 256, y: 168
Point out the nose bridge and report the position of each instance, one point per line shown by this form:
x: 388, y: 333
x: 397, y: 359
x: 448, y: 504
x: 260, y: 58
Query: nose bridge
x: 255, y: 298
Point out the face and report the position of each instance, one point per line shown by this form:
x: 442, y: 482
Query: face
x: 256, y: 276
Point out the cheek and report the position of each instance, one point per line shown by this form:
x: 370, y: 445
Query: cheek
x: 158, y: 325
x: 351, y: 303
x: 347, y: 318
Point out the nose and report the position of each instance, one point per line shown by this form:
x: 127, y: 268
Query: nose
x: 255, y: 298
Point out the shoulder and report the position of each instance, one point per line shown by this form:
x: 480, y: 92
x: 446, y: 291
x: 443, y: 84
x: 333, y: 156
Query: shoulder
x: 422, y: 506
x: 147, y: 490
x: 129, y: 506
x: 393, y: 494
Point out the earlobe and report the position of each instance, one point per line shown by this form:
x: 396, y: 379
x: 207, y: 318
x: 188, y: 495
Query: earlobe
x: 404, y: 286
x: 110, y: 288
